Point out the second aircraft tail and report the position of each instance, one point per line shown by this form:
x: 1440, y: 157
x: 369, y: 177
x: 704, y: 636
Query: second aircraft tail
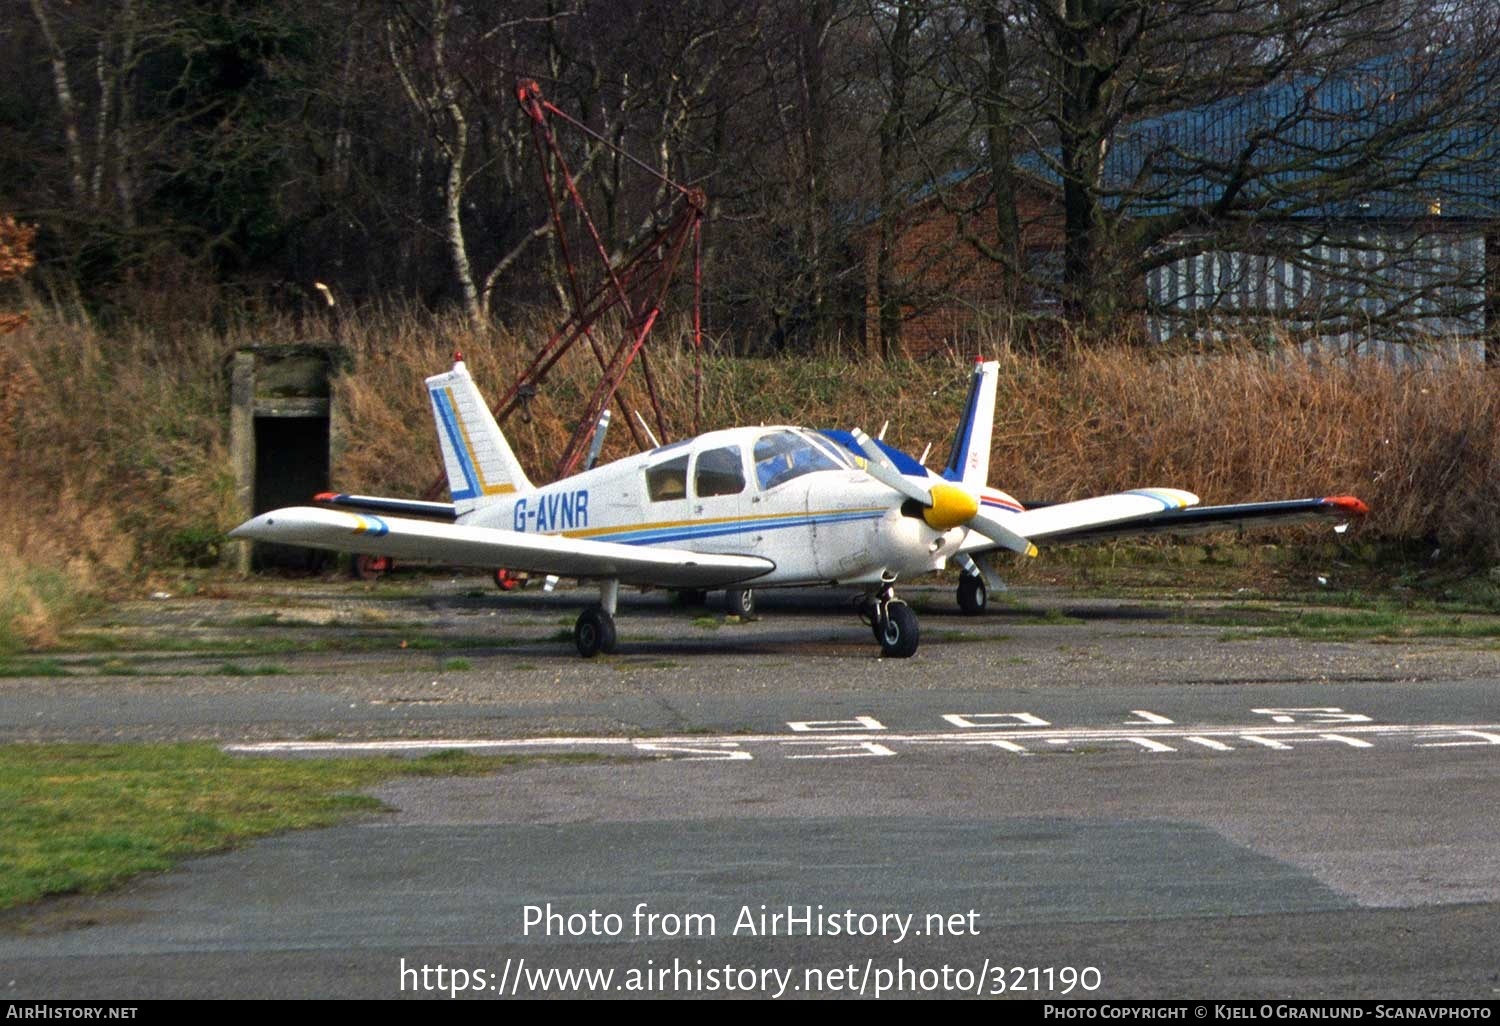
x: 969, y: 459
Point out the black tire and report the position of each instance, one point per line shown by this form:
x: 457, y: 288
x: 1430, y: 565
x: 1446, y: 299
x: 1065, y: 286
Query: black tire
x: 973, y: 597
x: 740, y: 602
x: 594, y: 632
x: 898, y: 634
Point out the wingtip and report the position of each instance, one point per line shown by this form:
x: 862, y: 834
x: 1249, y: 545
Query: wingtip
x: 1348, y: 504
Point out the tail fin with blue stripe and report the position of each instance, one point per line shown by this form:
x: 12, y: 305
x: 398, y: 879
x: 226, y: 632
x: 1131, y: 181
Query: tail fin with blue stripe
x: 480, y: 464
x: 969, y: 459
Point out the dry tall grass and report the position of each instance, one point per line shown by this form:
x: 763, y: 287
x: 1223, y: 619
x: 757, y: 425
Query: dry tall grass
x: 112, y: 462
x: 113, y: 445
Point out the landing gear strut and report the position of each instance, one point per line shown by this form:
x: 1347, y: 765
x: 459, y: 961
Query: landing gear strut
x: 892, y: 622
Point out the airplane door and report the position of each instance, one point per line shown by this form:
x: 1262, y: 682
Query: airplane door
x: 720, y: 504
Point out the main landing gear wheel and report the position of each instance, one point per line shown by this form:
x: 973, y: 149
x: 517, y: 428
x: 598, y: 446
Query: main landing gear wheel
x: 973, y: 598
x: 594, y: 632
x: 740, y: 602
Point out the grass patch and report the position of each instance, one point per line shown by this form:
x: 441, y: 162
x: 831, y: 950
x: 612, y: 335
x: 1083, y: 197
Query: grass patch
x: 240, y: 670
x: 708, y: 623
x: 1350, y: 624
x: 269, y: 620
x: 457, y: 664
x: 83, y: 817
x: 114, y: 667
x: 12, y: 666
x: 385, y: 640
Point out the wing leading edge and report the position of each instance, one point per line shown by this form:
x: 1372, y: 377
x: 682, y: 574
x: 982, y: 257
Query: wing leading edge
x: 488, y: 547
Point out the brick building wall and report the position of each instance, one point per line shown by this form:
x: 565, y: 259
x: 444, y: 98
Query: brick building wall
x: 952, y: 296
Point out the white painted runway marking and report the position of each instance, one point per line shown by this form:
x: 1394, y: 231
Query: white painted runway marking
x: 1484, y: 739
x: 813, y: 726
x: 1352, y: 742
x: 1149, y: 717
x: 1318, y: 714
x: 728, y: 751
x: 875, y: 740
x: 971, y: 721
x: 1268, y: 742
x: 842, y: 750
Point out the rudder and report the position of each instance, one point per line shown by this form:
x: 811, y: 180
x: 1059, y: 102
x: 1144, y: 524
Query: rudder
x: 480, y: 464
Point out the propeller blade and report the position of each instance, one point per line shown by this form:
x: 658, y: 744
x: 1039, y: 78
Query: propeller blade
x: 1001, y: 535
x: 880, y: 467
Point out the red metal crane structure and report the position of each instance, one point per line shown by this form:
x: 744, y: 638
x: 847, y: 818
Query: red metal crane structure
x: 634, y: 285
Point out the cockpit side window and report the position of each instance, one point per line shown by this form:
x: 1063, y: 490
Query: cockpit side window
x: 719, y: 472
x: 784, y: 455
x: 667, y: 480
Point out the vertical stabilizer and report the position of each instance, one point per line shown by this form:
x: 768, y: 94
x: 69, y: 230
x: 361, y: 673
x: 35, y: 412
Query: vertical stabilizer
x: 480, y: 464
x: 969, y: 459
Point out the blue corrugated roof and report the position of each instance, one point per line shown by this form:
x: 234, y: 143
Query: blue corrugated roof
x: 1299, y: 141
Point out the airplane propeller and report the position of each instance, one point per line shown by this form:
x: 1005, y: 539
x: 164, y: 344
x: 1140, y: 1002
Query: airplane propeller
x: 948, y: 505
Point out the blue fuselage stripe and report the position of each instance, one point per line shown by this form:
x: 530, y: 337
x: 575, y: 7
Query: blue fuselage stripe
x: 686, y: 532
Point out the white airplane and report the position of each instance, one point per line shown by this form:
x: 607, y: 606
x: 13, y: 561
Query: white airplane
x: 743, y: 508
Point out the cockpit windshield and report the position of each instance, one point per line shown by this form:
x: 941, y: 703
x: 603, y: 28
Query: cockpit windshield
x: 783, y: 455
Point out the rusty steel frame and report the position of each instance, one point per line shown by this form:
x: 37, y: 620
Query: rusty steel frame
x: 636, y: 286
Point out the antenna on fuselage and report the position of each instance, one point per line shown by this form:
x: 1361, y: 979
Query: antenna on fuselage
x: 600, y: 430
x: 647, y: 428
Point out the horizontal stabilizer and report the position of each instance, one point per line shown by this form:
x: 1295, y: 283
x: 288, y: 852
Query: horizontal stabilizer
x: 382, y: 504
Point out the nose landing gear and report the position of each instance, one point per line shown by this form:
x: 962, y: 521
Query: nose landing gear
x: 891, y: 621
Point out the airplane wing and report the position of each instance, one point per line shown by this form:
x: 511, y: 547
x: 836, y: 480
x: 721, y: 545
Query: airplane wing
x: 488, y: 547
x: 1174, y: 512
x: 383, y: 504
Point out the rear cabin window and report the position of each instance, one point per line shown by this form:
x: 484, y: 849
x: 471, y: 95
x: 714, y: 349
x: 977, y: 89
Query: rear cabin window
x: 719, y: 472
x: 667, y: 480
x: 784, y: 455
